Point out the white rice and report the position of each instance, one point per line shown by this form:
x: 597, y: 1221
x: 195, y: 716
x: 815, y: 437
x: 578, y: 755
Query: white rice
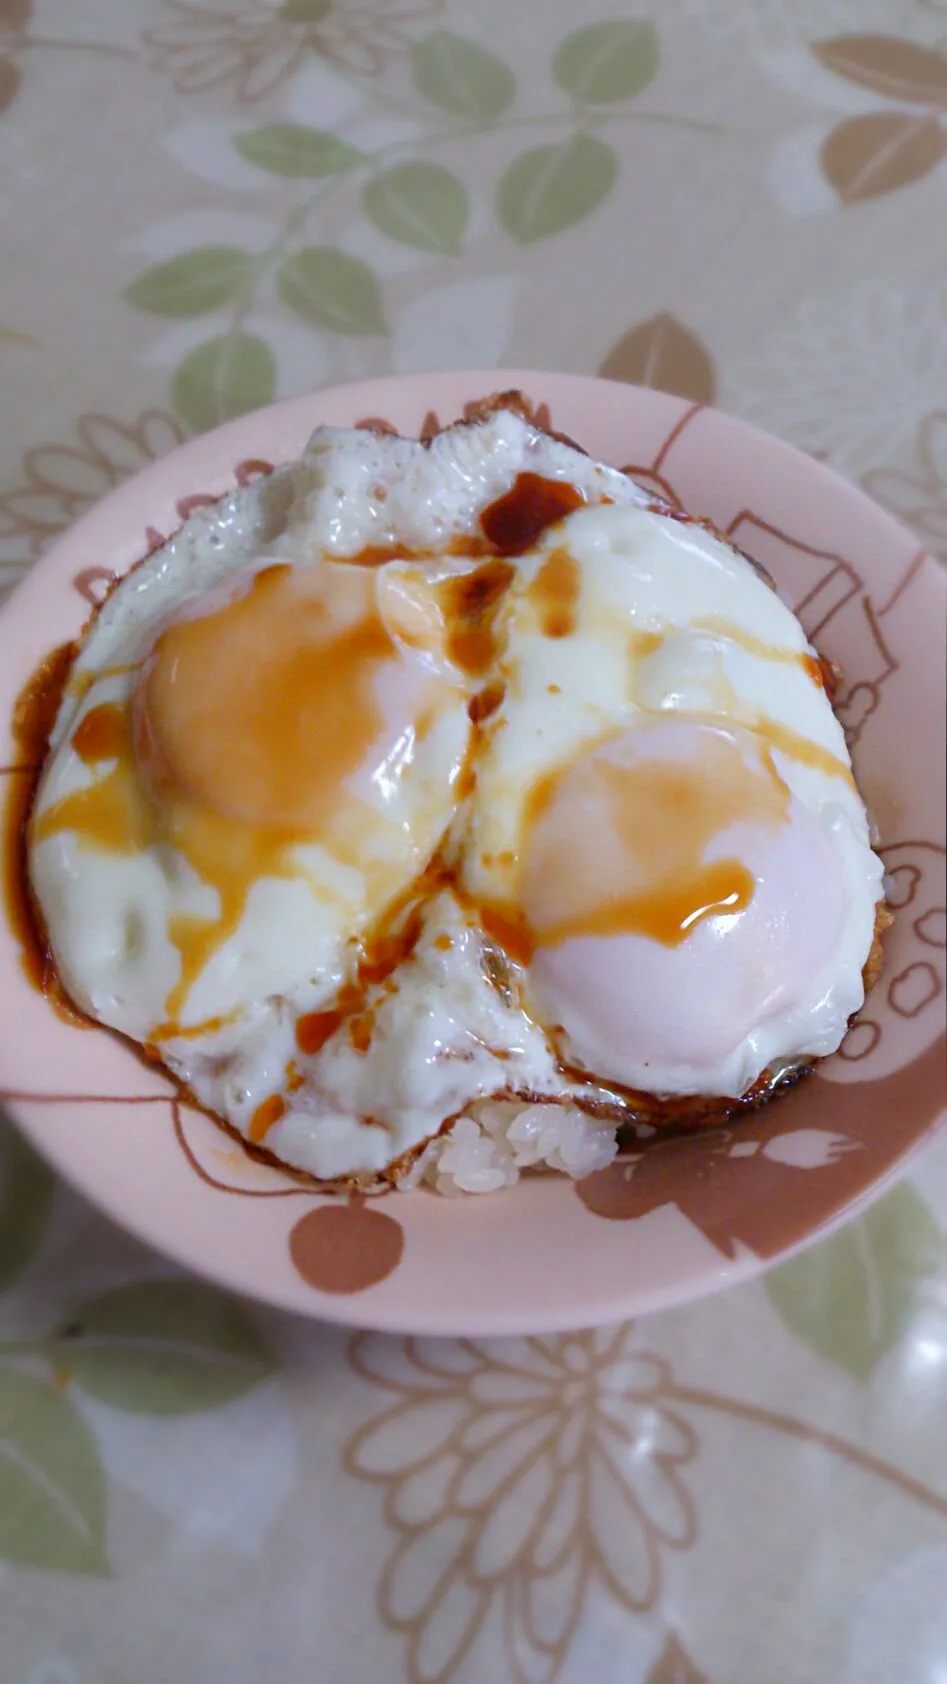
x: 489, y: 1147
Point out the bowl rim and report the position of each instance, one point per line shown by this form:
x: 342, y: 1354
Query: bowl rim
x: 229, y: 442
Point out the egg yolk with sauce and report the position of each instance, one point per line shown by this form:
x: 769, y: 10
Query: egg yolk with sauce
x: 264, y: 718
x: 672, y: 893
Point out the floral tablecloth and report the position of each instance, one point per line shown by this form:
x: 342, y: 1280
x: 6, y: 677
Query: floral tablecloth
x: 208, y: 203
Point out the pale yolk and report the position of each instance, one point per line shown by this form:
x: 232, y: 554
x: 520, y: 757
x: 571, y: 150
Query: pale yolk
x: 646, y: 824
x: 674, y: 898
x: 261, y: 710
x: 253, y: 721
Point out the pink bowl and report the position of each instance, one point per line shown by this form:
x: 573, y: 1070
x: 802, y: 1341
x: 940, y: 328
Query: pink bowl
x: 693, y: 1214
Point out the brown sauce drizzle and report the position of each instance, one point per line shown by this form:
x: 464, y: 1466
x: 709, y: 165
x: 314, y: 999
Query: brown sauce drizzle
x: 34, y: 715
x: 643, y: 871
x: 391, y: 941
x: 485, y: 702
x: 471, y: 603
x: 378, y: 555
x: 509, y: 526
x: 101, y: 734
x: 516, y: 521
x: 265, y: 1117
x: 799, y: 748
x: 509, y: 927
x: 730, y: 632
x: 555, y: 593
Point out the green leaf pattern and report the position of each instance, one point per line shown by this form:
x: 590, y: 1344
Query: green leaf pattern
x: 329, y: 288
x: 194, y: 282
x: 158, y: 1348
x: 292, y: 149
x: 461, y: 77
x: 550, y: 188
x: 851, y: 1298
x: 26, y: 1193
x: 419, y: 204
x: 222, y: 378
x: 607, y: 62
x: 464, y: 88
x: 52, y: 1485
x: 162, y: 1347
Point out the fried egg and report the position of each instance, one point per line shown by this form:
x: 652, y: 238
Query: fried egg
x: 418, y: 775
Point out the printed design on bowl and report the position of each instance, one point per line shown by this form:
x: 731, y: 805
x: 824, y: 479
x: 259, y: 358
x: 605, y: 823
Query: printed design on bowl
x: 225, y: 1163
x: 916, y: 873
x: 345, y: 1248
x: 521, y: 1477
x: 732, y: 1177
x: 751, y: 1187
x: 256, y: 46
x: 829, y: 592
x: 340, y: 1247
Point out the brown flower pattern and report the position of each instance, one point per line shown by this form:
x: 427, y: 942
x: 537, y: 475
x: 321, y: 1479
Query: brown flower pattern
x: 61, y: 481
x: 919, y: 498
x: 518, y: 1475
x: 255, y: 45
x: 17, y: 38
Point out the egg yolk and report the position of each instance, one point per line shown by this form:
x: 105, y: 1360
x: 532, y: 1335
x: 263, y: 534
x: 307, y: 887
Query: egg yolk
x: 646, y: 824
x: 261, y: 720
x: 261, y: 710
x: 674, y: 898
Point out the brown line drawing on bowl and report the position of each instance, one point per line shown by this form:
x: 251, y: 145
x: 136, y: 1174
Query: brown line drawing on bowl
x: 839, y: 569
x: 86, y: 581
x: 222, y: 1186
x: 858, y: 1044
x: 914, y: 881
x: 915, y: 987
x: 680, y: 425
x: 766, y: 1200
x: 906, y: 581
x: 939, y: 937
x: 28, y: 1097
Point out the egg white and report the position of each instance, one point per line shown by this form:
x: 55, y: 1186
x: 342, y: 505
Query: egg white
x: 443, y: 1034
